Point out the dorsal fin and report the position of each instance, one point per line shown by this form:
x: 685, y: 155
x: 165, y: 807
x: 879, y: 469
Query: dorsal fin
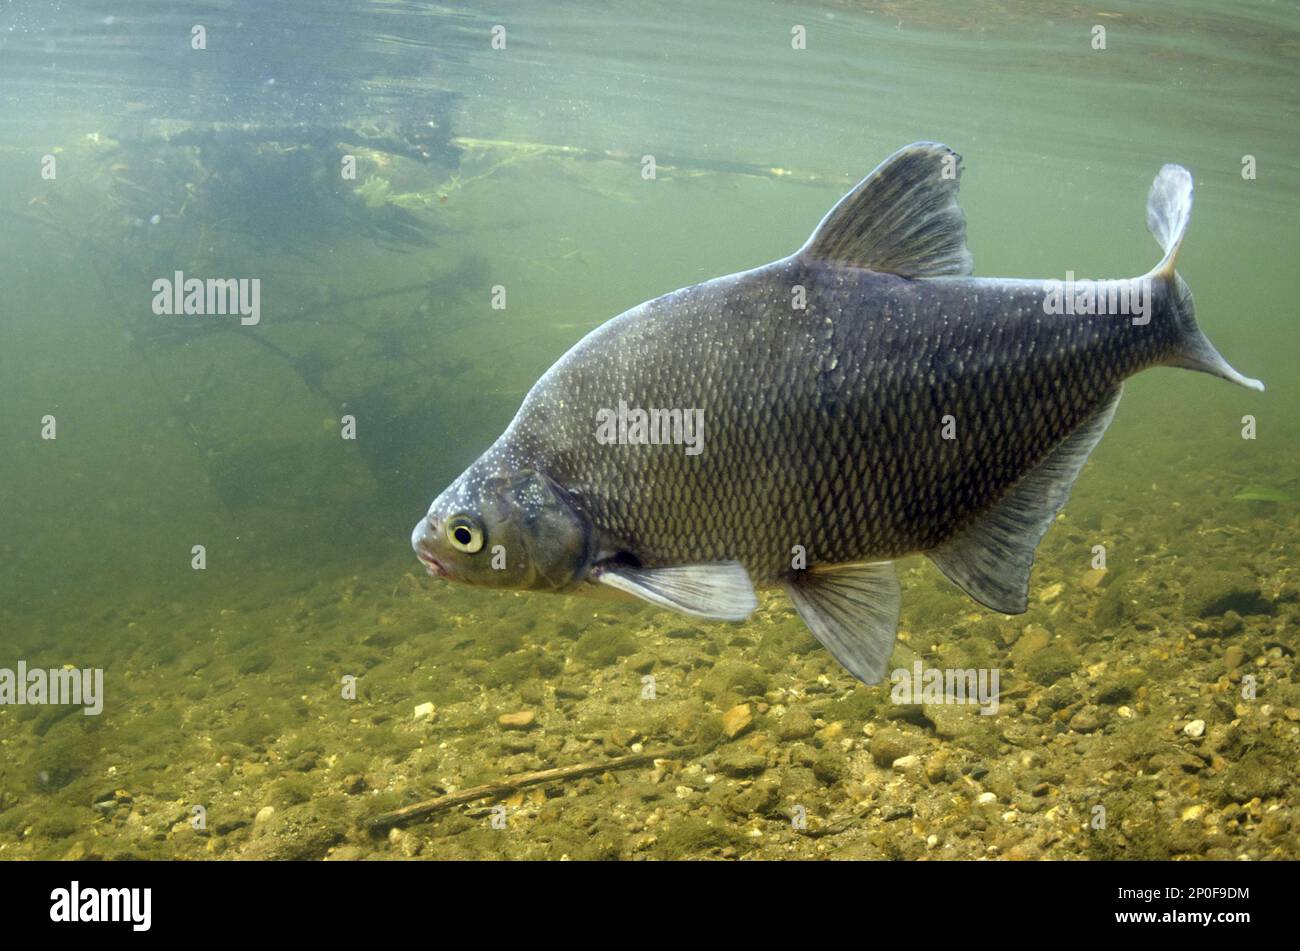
x: 903, y: 218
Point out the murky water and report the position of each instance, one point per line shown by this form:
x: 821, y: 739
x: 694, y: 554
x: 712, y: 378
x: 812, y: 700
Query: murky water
x: 182, y: 511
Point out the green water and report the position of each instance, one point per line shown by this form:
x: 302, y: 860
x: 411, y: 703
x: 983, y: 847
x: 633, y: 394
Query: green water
x: 223, y: 687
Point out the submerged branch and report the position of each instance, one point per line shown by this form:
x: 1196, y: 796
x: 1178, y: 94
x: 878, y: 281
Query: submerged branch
x: 503, y: 786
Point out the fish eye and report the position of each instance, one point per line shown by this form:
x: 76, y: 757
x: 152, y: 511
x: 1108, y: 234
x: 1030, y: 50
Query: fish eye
x: 464, y: 534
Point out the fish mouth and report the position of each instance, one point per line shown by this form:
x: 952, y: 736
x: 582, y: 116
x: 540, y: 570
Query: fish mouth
x: 424, y: 551
x: 432, y: 565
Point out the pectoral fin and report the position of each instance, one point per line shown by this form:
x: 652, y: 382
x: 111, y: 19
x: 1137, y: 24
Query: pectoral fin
x: 853, y: 611
x: 990, y: 559
x: 721, y: 590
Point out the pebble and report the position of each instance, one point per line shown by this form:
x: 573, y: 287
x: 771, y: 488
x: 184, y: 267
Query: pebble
x: 1051, y: 592
x: 737, y: 720
x: 345, y: 853
x: 1096, y: 578
x: 1086, y: 720
x: 1034, y: 638
x: 521, y: 720
x: 424, y: 711
x: 741, y: 762
x: 1195, y: 729
x: 936, y: 768
x: 888, y: 745
x: 263, y: 816
x: 831, y: 732
x: 909, y: 765
x: 797, y: 724
x: 1234, y: 656
x: 985, y: 798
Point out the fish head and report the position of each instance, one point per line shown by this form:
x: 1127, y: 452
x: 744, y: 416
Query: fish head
x: 514, y: 530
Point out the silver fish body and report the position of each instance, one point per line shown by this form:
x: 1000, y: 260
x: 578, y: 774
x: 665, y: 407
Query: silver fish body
x: 858, y: 401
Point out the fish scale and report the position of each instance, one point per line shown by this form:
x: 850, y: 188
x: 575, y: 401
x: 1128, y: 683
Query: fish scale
x: 901, y: 406
x: 764, y: 484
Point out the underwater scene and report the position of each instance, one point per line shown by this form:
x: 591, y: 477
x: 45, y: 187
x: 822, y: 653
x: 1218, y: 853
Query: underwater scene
x: 856, y: 553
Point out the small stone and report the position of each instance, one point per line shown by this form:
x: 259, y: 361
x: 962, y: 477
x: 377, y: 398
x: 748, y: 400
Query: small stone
x: 684, y: 632
x: 263, y: 816
x: 797, y: 724
x: 1086, y: 720
x: 1217, y: 593
x: 986, y: 798
x: 1051, y: 592
x: 1292, y: 714
x: 345, y: 853
x: 831, y: 732
x: 909, y: 765
x: 1234, y: 656
x: 737, y: 720
x: 1195, y: 729
x: 1096, y: 579
x: 936, y: 767
x: 1192, y: 813
x: 1121, y: 686
x: 409, y: 845
x: 830, y: 767
x: 1033, y: 640
x: 1274, y: 825
x: 642, y: 663
x: 522, y: 720
x: 888, y: 745
x: 623, y: 736
x: 424, y: 711
x: 741, y: 762
x: 1050, y: 664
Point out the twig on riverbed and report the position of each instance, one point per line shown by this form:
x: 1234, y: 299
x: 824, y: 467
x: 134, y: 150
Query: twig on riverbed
x: 503, y: 786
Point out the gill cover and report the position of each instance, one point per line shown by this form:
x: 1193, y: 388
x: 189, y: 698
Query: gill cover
x: 551, y: 537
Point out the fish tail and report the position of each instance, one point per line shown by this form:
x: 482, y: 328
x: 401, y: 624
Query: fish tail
x: 1169, y: 209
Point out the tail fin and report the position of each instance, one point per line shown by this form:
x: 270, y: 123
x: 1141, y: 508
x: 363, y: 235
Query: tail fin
x: 1169, y: 209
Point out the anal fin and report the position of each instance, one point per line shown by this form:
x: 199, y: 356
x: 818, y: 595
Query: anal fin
x: 991, y: 558
x: 853, y: 611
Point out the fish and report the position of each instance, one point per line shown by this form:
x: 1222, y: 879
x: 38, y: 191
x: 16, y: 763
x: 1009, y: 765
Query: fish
x: 861, y: 400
